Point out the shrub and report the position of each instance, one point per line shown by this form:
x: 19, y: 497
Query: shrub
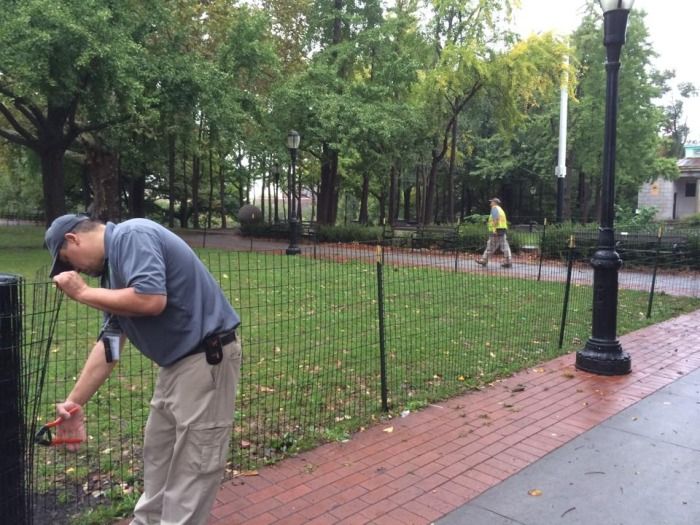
x: 691, y: 220
x: 349, y: 233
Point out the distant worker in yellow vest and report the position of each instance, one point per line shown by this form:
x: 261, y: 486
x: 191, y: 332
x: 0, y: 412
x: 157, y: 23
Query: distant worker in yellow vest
x: 498, y: 226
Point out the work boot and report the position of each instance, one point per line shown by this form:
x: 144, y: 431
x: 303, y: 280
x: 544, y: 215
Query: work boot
x: 481, y: 262
x: 506, y: 264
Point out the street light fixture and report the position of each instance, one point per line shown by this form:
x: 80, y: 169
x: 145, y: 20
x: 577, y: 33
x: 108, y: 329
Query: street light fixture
x: 293, y: 139
x: 603, y: 353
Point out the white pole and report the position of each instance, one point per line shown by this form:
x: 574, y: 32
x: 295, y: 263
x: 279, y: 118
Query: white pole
x: 563, y: 109
x: 560, y: 170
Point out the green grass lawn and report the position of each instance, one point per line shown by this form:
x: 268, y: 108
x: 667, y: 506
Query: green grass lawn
x: 22, y: 252
x: 312, y: 342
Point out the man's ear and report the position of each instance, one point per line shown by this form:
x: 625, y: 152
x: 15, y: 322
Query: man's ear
x: 72, y: 237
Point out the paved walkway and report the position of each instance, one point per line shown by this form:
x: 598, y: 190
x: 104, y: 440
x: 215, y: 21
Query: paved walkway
x: 673, y: 282
x: 430, y: 464
x: 641, y: 466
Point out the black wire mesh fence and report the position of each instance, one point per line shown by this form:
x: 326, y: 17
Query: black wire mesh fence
x: 28, y: 317
x: 333, y: 339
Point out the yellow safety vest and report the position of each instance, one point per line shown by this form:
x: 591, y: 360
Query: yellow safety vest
x: 502, y: 221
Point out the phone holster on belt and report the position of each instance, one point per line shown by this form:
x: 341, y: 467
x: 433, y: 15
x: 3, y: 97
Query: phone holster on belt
x: 213, y: 350
x: 111, y: 340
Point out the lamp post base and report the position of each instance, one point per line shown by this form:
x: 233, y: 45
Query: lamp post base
x: 603, y: 357
x: 293, y: 248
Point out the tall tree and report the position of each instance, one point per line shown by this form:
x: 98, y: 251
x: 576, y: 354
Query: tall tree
x: 675, y: 126
x: 67, y: 69
x: 639, y: 118
x: 477, y: 57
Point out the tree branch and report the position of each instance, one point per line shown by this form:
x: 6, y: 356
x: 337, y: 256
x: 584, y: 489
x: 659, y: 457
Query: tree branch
x: 16, y: 125
x: 13, y: 137
x: 28, y: 109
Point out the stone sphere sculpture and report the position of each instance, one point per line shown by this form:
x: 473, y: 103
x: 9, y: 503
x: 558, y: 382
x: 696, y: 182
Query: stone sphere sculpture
x: 249, y: 214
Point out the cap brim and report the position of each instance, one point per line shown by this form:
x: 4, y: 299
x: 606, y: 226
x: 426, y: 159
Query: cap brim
x: 59, y: 266
x: 54, y: 239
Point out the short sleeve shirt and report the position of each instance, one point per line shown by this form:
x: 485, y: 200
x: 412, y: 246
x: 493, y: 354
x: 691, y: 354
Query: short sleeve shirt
x: 144, y: 255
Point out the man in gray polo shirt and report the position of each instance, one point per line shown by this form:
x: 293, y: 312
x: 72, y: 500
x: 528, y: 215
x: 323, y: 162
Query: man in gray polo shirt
x: 157, y: 293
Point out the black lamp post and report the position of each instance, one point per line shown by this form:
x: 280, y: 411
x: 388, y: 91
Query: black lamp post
x: 603, y: 353
x: 293, y: 139
x: 276, y: 178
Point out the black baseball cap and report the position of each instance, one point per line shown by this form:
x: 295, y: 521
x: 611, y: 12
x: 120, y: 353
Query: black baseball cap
x: 55, y: 237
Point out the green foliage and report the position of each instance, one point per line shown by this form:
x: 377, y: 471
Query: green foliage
x: 350, y: 233
x: 691, y: 220
x: 20, y: 182
x: 476, y: 219
x: 639, y: 119
x: 196, y: 98
x: 642, y: 218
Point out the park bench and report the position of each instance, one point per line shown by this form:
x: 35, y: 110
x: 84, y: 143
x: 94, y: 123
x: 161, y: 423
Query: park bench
x: 444, y: 237
x: 676, y: 245
x: 309, y: 230
x: 398, y: 234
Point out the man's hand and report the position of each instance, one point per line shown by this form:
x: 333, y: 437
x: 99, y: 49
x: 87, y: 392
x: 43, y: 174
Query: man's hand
x: 71, y: 283
x: 73, y: 425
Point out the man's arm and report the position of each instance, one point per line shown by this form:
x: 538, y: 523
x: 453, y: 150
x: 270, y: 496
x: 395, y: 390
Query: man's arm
x: 124, y: 301
x: 95, y: 372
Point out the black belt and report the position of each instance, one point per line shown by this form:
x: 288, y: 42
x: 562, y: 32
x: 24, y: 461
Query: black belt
x: 224, y: 337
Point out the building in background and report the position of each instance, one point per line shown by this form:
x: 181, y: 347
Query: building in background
x: 675, y: 199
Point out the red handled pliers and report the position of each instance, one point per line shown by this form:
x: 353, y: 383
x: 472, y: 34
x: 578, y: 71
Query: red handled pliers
x: 44, y: 437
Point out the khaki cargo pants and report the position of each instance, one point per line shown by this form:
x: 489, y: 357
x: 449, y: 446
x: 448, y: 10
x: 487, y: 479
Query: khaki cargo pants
x: 495, y: 242
x: 186, y: 439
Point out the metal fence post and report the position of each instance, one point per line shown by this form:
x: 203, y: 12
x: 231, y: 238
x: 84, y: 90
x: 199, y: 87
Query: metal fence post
x: 656, y: 267
x: 572, y: 244
x: 544, y: 233
x: 382, y: 338
x: 13, y: 501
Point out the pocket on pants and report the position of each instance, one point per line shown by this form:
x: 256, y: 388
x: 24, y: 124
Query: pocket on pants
x: 207, y: 445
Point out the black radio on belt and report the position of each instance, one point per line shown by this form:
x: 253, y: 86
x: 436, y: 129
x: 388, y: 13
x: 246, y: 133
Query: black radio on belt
x: 213, y: 349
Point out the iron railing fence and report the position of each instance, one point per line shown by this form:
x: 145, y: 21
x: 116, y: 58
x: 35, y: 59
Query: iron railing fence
x: 332, y: 340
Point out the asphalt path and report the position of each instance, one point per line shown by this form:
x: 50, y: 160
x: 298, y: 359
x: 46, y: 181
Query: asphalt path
x: 525, y: 266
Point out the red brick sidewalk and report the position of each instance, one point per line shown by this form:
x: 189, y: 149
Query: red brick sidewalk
x: 416, y: 469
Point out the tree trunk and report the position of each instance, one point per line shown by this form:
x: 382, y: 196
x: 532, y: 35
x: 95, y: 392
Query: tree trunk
x: 52, y: 180
x: 382, y: 206
x: 583, y: 197
x: 328, y: 193
x: 420, y: 192
x: 222, y: 191
x: 102, y: 172
x: 450, y: 204
x: 364, y: 198
x: 336, y: 190
x: 393, y: 194
x: 263, y: 170
x: 137, y: 194
x: 429, y: 199
x: 210, y: 207
x: 184, y: 207
x: 196, y: 171
x: 407, y: 204
x: 171, y: 180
